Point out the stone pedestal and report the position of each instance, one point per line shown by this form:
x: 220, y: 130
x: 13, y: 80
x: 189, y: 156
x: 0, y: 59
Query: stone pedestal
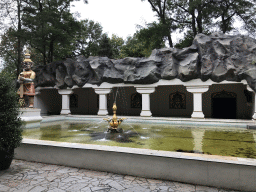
x: 31, y: 116
x: 197, y: 99
x: 145, y: 91
x: 65, y: 100
x: 36, y: 98
x: 102, y: 92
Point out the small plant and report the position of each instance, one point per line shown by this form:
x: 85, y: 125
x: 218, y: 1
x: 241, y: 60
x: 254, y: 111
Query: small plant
x: 10, y: 123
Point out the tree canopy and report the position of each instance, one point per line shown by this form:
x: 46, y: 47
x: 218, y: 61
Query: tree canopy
x: 46, y: 26
x: 52, y: 32
x: 204, y: 16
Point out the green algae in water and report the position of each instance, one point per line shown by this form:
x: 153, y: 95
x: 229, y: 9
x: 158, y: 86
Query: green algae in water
x: 215, y: 141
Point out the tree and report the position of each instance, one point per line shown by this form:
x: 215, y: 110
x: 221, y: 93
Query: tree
x: 10, y: 123
x: 196, y: 15
x: 133, y: 47
x: 87, y: 38
x: 50, y: 27
x: 9, y: 51
x: 116, y: 43
x: 7, y: 10
x: 161, y: 7
x: 186, y: 41
x: 225, y: 12
x: 34, y: 22
x: 153, y: 36
x: 105, y: 48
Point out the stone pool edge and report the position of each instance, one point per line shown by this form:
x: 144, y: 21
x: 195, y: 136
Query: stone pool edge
x: 228, y: 123
x: 210, y: 170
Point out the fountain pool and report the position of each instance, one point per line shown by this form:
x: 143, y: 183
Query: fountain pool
x: 159, y: 148
x: 235, y: 142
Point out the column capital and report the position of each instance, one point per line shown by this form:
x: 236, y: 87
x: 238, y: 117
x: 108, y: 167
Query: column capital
x: 197, y: 88
x: 145, y: 90
x: 65, y: 91
x: 102, y: 91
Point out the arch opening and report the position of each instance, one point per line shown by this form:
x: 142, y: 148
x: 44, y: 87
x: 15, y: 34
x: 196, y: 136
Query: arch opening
x: 224, y: 105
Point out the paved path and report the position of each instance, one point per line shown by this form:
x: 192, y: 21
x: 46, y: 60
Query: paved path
x: 26, y: 176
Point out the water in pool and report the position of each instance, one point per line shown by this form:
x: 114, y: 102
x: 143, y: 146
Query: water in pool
x: 213, y: 141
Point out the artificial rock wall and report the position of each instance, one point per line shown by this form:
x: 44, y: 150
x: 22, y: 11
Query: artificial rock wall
x: 217, y: 57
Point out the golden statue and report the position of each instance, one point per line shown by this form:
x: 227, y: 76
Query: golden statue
x: 26, y: 80
x: 114, y: 121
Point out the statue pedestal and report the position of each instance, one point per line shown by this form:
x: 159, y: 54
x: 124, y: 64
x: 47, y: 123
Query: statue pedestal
x: 31, y: 116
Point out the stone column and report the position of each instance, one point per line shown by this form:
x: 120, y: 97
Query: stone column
x: 102, y: 92
x: 254, y: 108
x: 197, y: 99
x: 65, y: 100
x: 145, y: 91
x: 254, y: 115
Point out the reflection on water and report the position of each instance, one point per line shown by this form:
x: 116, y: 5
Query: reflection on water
x: 221, y: 141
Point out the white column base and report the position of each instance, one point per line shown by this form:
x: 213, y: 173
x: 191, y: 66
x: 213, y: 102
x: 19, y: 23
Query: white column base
x: 65, y: 112
x: 254, y: 116
x: 102, y: 112
x: 145, y: 114
x: 197, y: 114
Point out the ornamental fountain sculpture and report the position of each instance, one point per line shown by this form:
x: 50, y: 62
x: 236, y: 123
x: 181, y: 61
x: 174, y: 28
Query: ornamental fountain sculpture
x: 26, y: 80
x: 26, y: 92
x: 114, y: 122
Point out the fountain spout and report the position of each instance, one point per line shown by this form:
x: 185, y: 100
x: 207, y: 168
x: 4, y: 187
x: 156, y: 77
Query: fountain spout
x: 114, y: 121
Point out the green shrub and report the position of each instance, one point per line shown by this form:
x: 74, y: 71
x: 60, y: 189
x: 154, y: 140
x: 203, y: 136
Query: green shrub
x: 10, y: 123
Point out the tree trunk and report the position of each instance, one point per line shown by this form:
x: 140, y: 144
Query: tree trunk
x: 170, y: 40
x: 199, y: 18
x: 199, y: 23
x: 50, y: 54
x: 19, y: 39
x: 194, y: 24
x: 223, y: 26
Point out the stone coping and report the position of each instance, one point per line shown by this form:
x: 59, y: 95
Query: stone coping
x: 222, y: 123
x: 147, y: 152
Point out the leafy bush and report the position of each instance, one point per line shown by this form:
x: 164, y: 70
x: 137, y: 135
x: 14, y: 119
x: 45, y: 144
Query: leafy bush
x: 10, y: 123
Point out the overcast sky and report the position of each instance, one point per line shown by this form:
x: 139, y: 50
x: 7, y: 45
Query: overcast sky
x: 118, y: 17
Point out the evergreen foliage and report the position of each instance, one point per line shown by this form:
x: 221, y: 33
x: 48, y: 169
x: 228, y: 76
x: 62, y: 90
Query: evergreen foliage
x: 10, y: 123
x: 204, y: 16
x: 87, y: 38
x: 53, y: 33
x: 116, y: 43
x: 186, y: 41
x: 153, y: 36
x: 105, y: 47
x: 49, y: 28
x: 133, y: 47
x: 9, y: 51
